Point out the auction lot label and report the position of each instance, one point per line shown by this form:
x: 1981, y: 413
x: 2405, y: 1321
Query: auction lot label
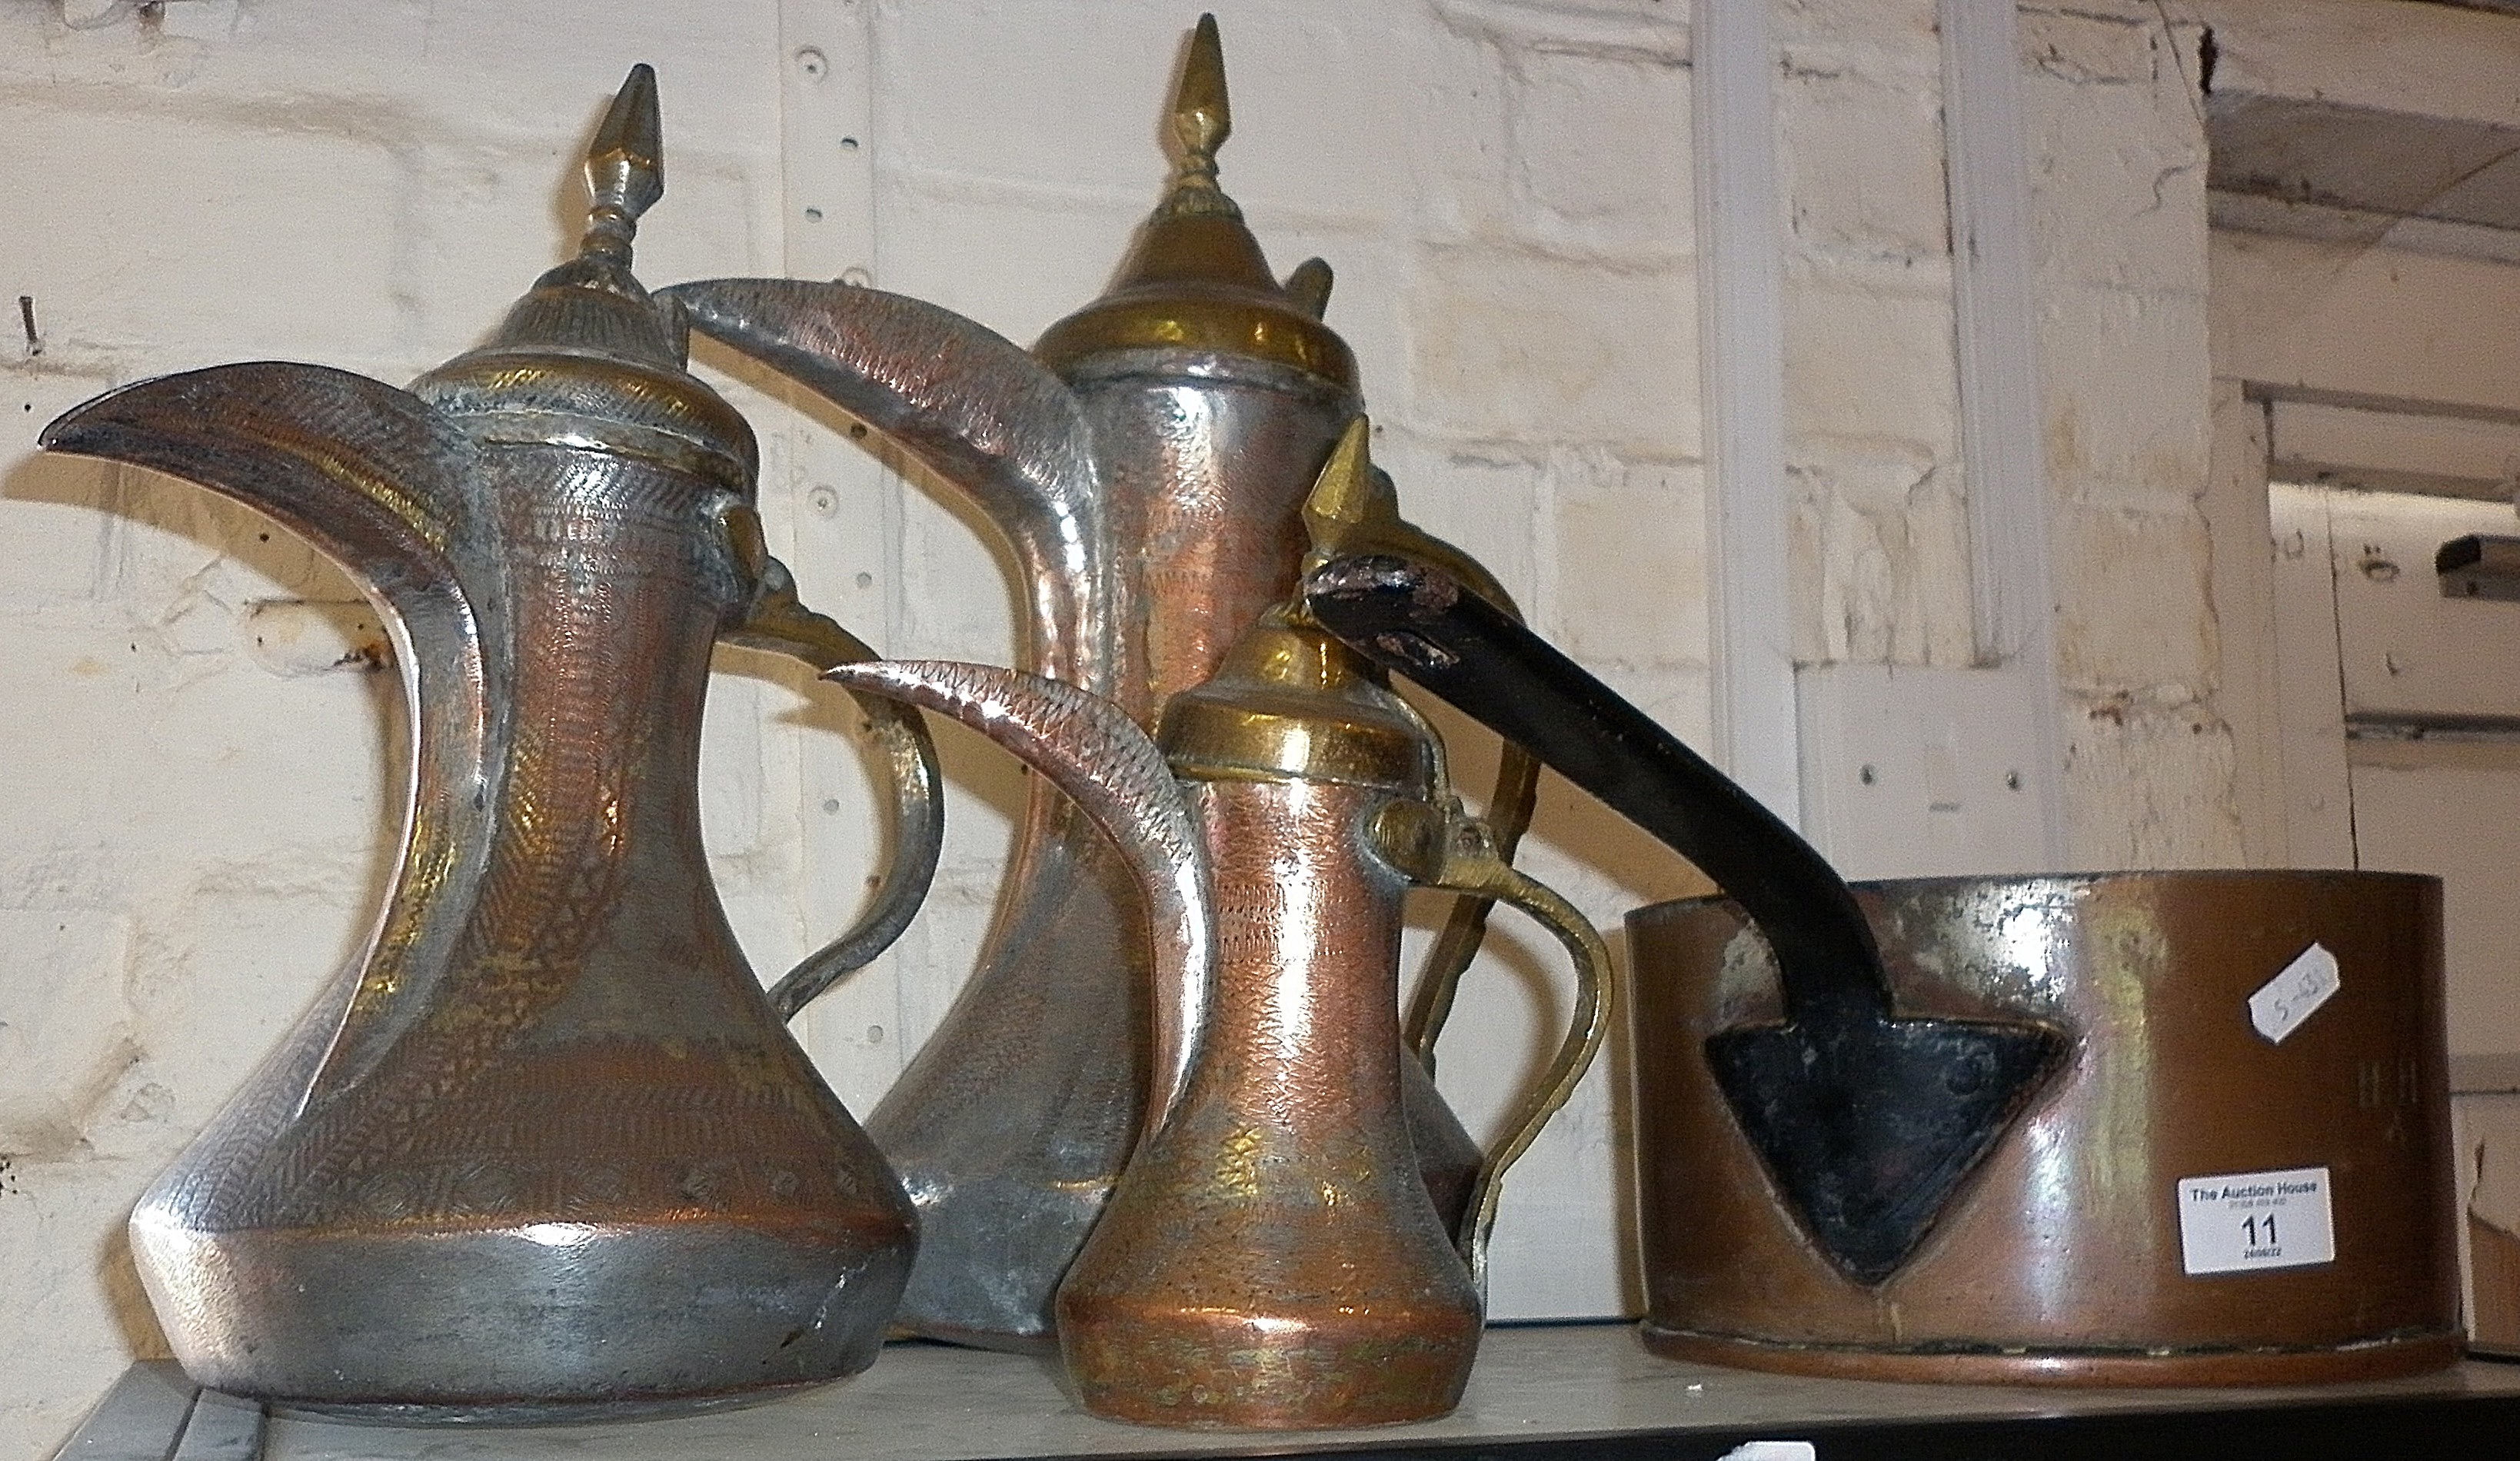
x: 2256, y: 1220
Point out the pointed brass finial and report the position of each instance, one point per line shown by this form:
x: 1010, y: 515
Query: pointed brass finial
x: 625, y: 167
x: 1201, y: 120
x: 1353, y: 510
x: 1352, y: 507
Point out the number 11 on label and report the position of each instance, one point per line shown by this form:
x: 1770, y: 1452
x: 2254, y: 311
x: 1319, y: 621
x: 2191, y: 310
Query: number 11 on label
x: 2249, y: 1221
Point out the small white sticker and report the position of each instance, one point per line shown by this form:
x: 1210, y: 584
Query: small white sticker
x: 2256, y: 1220
x: 1771, y: 1450
x: 2282, y: 1003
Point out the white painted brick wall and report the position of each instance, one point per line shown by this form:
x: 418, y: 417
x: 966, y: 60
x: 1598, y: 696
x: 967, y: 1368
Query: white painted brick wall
x: 2120, y: 280
x: 192, y: 834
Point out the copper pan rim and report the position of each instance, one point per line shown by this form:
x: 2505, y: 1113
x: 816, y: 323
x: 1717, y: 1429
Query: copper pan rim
x: 2066, y: 882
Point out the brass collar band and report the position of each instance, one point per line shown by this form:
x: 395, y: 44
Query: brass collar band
x: 1208, y: 741
x: 663, y: 449
x: 1225, y: 322
x: 562, y: 398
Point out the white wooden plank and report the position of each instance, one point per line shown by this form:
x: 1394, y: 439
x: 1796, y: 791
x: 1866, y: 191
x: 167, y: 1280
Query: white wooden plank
x: 2406, y: 652
x: 2236, y: 517
x: 2452, y: 809
x: 2318, y: 805
x: 836, y: 520
x: 2002, y: 426
x: 1742, y: 341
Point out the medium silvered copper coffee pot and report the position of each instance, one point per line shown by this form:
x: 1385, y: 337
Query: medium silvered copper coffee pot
x: 545, y: 1151
x: 1271, y: 1257
x: 1147, y: 461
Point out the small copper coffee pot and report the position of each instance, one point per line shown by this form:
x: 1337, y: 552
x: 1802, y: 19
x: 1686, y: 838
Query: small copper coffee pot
x: 1147, y: 461
x: 1271, y: 1258
x: 545, y: 1151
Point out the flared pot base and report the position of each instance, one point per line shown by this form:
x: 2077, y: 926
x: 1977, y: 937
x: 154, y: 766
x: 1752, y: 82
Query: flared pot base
x: 548, y: 1322
x: 1247, y: 1375
x: 499, y: 1416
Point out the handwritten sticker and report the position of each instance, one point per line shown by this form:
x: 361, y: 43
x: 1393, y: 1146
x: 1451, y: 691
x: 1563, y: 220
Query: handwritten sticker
x: 2249, y: 1221
x: 2293, y: 996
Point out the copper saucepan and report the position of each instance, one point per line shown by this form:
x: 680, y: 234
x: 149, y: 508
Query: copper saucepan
x: 2237, y: 1173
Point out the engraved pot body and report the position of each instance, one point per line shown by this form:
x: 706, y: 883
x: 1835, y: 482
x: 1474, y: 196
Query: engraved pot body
x: 1145, y: 462
x: 1272, y: 1259
x: 545, y: 1151
x: 1205, y: 460
x: 2077, y: 1253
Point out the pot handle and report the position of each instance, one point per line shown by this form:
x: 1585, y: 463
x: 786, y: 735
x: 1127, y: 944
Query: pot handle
x: 1445, y: 848
x: 1354, y: 508
x: 779, y: 623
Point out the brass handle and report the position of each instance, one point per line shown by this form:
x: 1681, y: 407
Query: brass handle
x: 1517, y: 790
x: 1446, y: 849
x: 1354, y: 508
x: 779, y: 623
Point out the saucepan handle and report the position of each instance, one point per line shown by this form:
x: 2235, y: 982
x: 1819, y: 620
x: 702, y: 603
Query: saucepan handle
x: 780, y: 624
x: 1441, y: 847
x: 1407, y: 617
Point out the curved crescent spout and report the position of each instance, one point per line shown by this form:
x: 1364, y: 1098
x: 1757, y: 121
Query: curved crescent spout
x: 1090, y: 749
x: 968, y: 404
x: 370, y: 475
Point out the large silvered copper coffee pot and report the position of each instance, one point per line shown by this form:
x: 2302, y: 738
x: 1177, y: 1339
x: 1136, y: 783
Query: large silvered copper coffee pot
x: 1146, y: 462
x: 545, y: 1151
x: 1271, y: 1257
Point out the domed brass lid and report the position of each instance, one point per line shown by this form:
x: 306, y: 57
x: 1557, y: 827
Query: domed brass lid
x: 1290, y: 702
x: 1196, y: 279
x: 587, y: 359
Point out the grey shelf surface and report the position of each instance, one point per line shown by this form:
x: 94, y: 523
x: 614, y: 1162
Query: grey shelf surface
x: 1551, y: 1394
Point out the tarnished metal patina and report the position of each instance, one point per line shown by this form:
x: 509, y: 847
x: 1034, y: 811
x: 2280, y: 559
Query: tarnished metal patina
x: 1146, y: 463
x: 1272, y: 1257
x: 2063, y: 1261
x: 545, y: 1152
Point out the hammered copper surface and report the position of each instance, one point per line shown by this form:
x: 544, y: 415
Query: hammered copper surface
x: 1271, y: 1258
x: 2063, y: 1260
x: 1145, y: 465
x: 545, y: 1152
x: 1271, y: 1255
